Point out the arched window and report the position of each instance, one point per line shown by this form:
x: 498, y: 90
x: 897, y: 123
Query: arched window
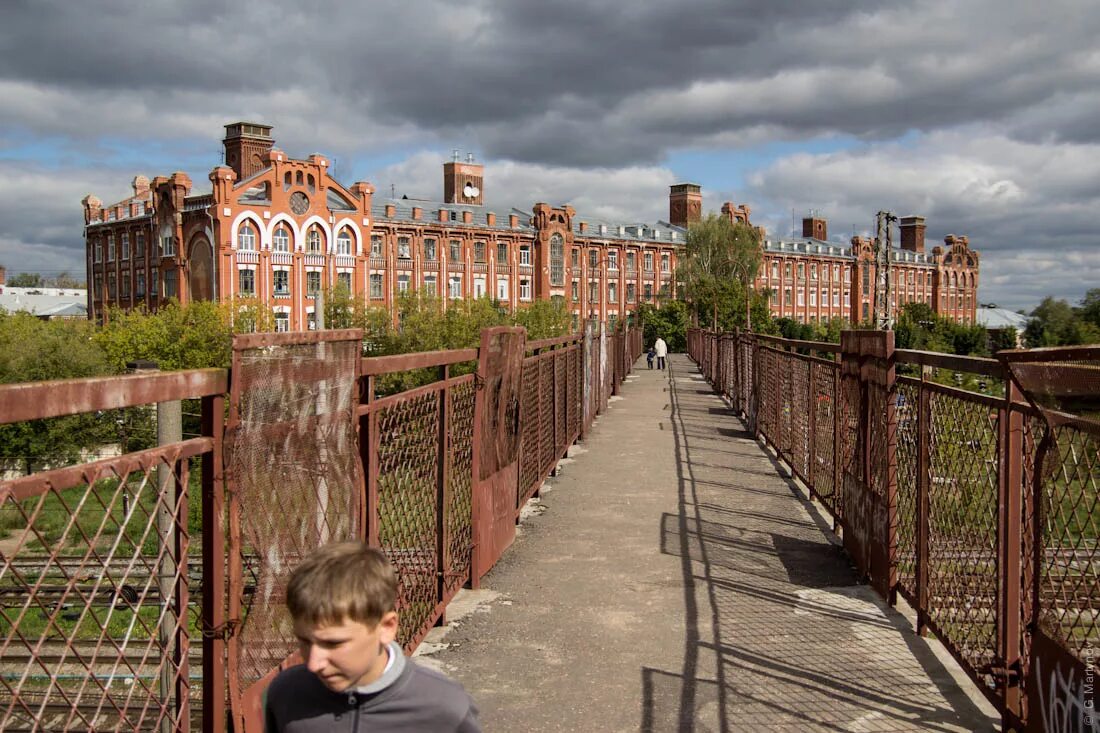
x: 246, y: 237
x: 281, y: 241
x: 313, y: 242
x: 557, y: 260
x: 343, y: 243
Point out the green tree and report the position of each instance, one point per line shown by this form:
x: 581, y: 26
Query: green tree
x: 34, y: 350
x: 1090, y: 307
x: 196, y: 336
x: 1055, y: 323
x: 544, y: 319
x: 26, y: 280
x: 670, y: 322
x: 717, y: 267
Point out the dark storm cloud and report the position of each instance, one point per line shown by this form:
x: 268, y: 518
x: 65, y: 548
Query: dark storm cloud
x: 617, y: 82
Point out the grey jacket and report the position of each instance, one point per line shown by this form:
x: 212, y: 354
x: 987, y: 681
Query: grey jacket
x: 406, y: 698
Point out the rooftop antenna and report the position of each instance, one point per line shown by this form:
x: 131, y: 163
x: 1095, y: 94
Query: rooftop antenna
x: 393, y: 191
x: 455, y: 155
x: 883, y: 315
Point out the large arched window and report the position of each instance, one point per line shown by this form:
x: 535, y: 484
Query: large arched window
x: 557, y: 260
x: 343, y: 243
x: 246, y: 237
x: 281, y: 241
x: 313, y: 242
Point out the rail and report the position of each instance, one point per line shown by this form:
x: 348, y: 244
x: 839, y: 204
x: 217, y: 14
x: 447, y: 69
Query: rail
x: 936, y: 490
x: 145, y: 591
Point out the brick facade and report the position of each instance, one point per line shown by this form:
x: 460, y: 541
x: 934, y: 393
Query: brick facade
x: 281, y: 230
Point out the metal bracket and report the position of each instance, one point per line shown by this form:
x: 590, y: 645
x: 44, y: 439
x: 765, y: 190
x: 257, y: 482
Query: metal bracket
x: 223, y: 632
x: 1005, y: 674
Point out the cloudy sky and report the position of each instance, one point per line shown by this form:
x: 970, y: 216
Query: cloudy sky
x: 983, y: 116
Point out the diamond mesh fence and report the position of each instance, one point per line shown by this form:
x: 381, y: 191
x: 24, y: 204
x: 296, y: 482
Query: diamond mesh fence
x: 962, y: 524
x: 94, y: 611
x: 800, y: 415
x: 908, y: 446
x: 824, y: 378
x: 460, y: 494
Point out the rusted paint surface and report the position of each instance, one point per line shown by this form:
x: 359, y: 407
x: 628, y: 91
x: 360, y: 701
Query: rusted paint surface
x: 38, y: 400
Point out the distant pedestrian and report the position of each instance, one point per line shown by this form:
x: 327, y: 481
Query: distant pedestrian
x: 649, y: 357
x: 660, y: 348
x: 355, y: 676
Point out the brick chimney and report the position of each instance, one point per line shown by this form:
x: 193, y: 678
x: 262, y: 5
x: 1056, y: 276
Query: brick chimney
x: 685, y: 204
x: 93, y: 209
x: 814, y: 226
x: 246, y: 145
x: 912, y: 233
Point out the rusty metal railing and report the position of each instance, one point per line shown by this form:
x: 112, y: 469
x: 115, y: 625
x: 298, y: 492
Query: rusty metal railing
x: 101, y: 618
x: 110, y: 619
x: 942, y: 495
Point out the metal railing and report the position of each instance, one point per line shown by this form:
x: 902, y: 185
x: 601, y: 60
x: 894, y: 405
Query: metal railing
x: 936, y: 493
x: 146, y: 591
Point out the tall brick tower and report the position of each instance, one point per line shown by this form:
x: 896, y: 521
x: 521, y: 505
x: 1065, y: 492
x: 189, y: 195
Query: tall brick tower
x: 245, y: 145
x: 685, y: 204
x: 463, y: 181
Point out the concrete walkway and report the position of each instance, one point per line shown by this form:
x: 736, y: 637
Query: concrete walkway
x: 672, y: 578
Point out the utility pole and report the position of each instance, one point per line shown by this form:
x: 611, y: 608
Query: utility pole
x: 883, y: 316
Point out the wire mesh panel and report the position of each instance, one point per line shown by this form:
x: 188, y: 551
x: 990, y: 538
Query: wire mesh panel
x: 547, y: 459
x: 574, y: 383
x: 460, y: 426
x: 962, y: 525
x: 94, y: 610
x: 408, y: 450
x: 824, y: 406
x: 560, y: 409
x: 529, y: 430
x: 908, y: 446
x: 294, y: 478
x: 800, y: 416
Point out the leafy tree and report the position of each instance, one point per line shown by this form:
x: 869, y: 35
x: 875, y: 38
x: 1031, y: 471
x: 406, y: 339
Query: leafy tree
x: 26, y: 280
x: 670, y: 322
x: 32, y: 350
x: 176, y: 337
x: 716, y: 269
x: 1055, y: 323
x: 1090, y: 307
x: 544, y: 319
x: 1001, y: 339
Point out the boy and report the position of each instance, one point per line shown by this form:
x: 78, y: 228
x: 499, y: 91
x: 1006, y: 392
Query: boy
x: 355, y: 676
x: 649, y: 357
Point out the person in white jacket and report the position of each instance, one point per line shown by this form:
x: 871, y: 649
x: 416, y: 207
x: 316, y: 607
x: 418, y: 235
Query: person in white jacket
x: 662, y: 351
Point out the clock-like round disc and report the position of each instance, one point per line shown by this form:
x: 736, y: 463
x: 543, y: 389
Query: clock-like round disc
x: 299, y: 203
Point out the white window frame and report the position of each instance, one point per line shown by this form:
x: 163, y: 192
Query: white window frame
x: 240, y: 282
x: 246, y: 238
x: 524, y: 289
x: 377, y: 285
x: 403, y: 281
x: 280, y: 242
x: 343, y: 243
x: 525, y: 255
x: 313, y: 242
x: 282, y: 322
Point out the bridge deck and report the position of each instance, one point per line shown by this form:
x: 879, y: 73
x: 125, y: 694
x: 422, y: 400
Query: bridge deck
x: 675, y: 579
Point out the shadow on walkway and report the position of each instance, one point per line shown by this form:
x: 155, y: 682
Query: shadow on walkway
x: 778, y: 633
x: 672, y: 579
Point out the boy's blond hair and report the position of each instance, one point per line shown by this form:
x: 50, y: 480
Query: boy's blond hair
x: 345, y: 581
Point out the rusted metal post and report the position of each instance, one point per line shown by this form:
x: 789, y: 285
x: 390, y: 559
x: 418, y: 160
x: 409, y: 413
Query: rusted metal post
x: 924, y: 485
x: 1010, y: 548
x: 169, y: 431
x: 213, y: 571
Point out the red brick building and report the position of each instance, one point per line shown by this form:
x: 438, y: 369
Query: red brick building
x: 812, y: 279
x: 282, y: 230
